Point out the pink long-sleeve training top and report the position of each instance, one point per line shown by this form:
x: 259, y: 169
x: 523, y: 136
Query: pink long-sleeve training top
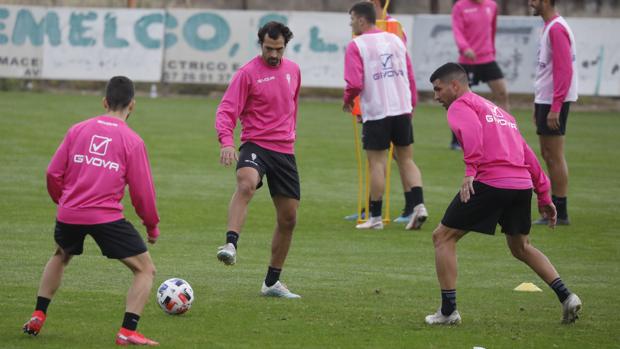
x: 354, y: 73
x: 494, y: 151
x: 88, y: 173
x: 474, y: 26
x: 264, y: 99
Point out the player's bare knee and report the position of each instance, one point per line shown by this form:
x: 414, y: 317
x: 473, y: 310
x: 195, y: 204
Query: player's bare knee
x: 547, y: 155
x: 502, y: 95
x: 518, y: 250
x: 65, y: 257
x: 148, y: 269
x: 439, y: 237
x: 246, y: 188
x: 287, y: 222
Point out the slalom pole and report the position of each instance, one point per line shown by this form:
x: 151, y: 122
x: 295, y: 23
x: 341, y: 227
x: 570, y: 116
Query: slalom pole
x: 388, y: 171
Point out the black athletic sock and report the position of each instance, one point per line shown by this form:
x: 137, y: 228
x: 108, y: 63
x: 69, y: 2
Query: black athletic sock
x: 130, y: 321
x: 42, y: 304
x: 232, y: 237
x: 273, y: 275
x: 375, y: 208
x: 448, y: 302
x: 558, y: 287
x: 408, y: 203
x: 561, y: 205
x: 417, y: 196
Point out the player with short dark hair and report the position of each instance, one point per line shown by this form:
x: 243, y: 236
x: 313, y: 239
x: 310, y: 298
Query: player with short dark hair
x: 555, y: 88
x: 474, y: 25
x: 264, y: 95
x: 378, y: 69
x: 500, y: 171
x: 86, y: 178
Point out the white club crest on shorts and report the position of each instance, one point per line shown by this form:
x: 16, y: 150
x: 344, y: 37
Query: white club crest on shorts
x: 253, y: 157
x: 99, y: 145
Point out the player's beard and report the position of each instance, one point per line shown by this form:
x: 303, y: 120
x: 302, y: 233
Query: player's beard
x: 274, y: 62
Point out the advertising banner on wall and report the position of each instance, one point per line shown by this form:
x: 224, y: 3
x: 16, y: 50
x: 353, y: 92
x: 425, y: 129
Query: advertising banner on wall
x: 208, y: 46
x: 22, y: 33
x: 516, y: 46
x: 517, y: 40
x: 96, y: 44
x: 598, y: 55
x: 81, y: 43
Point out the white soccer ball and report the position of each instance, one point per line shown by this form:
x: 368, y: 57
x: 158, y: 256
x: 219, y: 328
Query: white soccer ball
x: 175, y: 296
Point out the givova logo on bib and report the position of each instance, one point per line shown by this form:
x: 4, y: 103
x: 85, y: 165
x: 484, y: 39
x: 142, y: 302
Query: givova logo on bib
x: 388, y: 70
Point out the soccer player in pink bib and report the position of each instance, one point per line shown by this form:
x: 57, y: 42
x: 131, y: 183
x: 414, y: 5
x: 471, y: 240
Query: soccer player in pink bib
x: 86, y: 178
x: 500, y: 172
x: 378, y: 68
x: 555, y: 88
x: 263, y: 95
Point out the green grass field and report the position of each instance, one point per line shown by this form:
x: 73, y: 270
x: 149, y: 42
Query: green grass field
x: 361, y: 289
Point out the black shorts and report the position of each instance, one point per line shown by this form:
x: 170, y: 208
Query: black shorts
x: 540, y: 113
x: 377, y: 134
x: 484, y: 72
x: 489, y: 206
x: 117, y: 240
x: 280, y: 168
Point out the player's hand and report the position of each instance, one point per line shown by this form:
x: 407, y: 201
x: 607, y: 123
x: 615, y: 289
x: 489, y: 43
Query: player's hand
x: 553, y: 120
x: 151, y: 240
x: 469, y: 53
x: 467, y: 188
x: 549, y: 212
x: 347, y: 107
x: 228, y: 155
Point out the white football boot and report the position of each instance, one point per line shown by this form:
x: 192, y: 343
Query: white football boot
x: 570, y: 309
x: 440, y: 319
x: 277, y: 290
x: 418, y: 217
x: 372, y: 223
x: 227, y: 254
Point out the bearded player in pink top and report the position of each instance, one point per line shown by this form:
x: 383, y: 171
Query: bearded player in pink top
x: 86, y: 178
x: 263, y: 95
x: 500, y: 171
x: 474, y: 25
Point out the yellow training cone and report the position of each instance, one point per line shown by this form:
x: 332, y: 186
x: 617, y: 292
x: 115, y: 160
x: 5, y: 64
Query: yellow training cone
x: 528, y: 287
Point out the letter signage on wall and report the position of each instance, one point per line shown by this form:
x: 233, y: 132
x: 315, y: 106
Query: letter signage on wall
x: 208, y: 46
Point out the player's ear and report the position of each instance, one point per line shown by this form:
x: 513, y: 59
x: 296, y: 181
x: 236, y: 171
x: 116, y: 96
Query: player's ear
x: 132, y: 104
x: 104, y: 101
x: 455, y: 84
